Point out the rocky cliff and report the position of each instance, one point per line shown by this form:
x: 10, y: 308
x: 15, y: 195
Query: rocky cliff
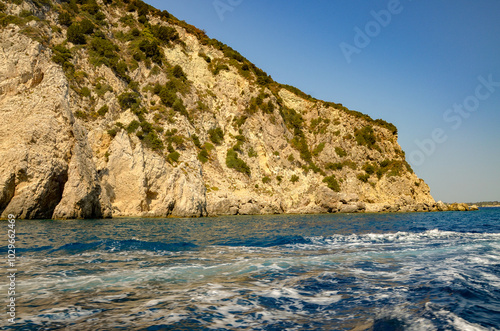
x: 113, y: 108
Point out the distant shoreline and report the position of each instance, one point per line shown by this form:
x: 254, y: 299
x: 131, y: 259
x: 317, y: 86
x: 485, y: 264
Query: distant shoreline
x: 485, y: 203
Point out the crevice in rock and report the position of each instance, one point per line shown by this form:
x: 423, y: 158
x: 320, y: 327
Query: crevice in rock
x: 90, y: 206
x: 170, y: 207
x: 52, y: 194
x: 7, y: 192
x: 37, y: 78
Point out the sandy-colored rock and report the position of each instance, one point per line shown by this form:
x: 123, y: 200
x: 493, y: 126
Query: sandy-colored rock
x: 185, y: 194
x: 441, y: 206
x: 311, y: 208
x: 350, y: 208
x: 35, y: 128
x: 374, y: 207
x: 348, y: 198
x: 82, y: 193
x: 249, y: 209
x: 273, y: 207
x: 327, y: 199
x: 220, y: 207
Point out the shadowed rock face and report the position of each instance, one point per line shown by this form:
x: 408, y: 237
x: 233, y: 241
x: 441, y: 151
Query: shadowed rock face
x: 64, y: 155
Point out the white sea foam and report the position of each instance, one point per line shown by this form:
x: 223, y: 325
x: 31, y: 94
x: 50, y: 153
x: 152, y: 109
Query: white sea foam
x: 110, y: 298
x: 409, y: 241
x: 455, y: 321
x: 328, y: 277
x: 406, y: 317
x: 61, y: 314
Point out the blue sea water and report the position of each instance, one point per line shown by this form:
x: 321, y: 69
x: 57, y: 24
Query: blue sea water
x: 417, y: 271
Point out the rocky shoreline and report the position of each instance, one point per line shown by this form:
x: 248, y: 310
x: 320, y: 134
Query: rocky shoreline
x: 251, y: 207
x: 342, y: 203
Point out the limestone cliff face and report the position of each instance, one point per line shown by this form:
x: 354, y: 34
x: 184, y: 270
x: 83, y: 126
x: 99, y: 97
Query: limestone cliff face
x: 126, y: 123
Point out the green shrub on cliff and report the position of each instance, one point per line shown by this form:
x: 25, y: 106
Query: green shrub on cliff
x: 293, y: 120
x: 65, y: 18
x: 393, y: 168
x: 11, y: 19
x: 203, y: 156
x: 366, y: 137
x: 103, y: 110
x: 219, y: 67
x: 196, y: 141
x: 100, y: 18
x: 334, y: 166
x: 152, y: 141
x: 75, y: 34
x: 173, y: 157
x: 369, y: 168
x: 85, y: 92
x: 208, y: 146
x: 340, y: 151
x: 167, y: 96
x: 300, y: 144
x: 134, y: 125
x: 391, y: 127
x: 351, y: 164
x: 77, y: 31
x: 363, y: 177
x: 147, y: 134
x: 128, y: 100
x: 112, y: 132
x: 178, y: 72
x: 239, y: 121
x: 151, y: 50
x: 252, y: 152
x: 205, y: 57
x: 263, y: 79
x: 332, y: 183
x: 102, y: 47
x: 216, y: 135
x: 81, y: 114
x: 62, y: 56
x: 319, y: 125
x: 318, y: 149
x: 234, y: 162
x: 128, y: 20
x: 165, y: 33
x: 102, y: 89
x: 179, y: 107
x: 104, y: 51
x: 316, y: 169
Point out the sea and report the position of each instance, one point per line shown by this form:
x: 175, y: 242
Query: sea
x: 401, y: 271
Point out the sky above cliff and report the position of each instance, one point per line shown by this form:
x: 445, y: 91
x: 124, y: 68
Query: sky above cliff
x: 430, y: 67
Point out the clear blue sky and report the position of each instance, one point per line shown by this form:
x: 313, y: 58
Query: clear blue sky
x: 417, y: 68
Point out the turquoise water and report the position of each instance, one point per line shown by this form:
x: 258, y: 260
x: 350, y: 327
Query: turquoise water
x: 419, y: 271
